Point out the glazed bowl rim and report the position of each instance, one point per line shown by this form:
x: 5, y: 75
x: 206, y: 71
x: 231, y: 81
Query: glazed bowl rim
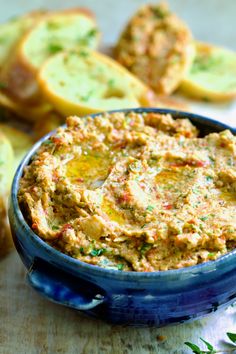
x: 64, y: 258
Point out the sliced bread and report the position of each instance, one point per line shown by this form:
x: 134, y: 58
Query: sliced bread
x: 83, y: 82
x: 29, y: 112
x: 157, y: 47
x: 212, y: 76
x: 54, y: 32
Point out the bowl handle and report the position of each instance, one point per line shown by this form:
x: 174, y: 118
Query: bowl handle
x: 62, y: 288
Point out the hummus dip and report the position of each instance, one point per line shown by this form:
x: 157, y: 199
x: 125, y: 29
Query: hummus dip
x: 133, y: 192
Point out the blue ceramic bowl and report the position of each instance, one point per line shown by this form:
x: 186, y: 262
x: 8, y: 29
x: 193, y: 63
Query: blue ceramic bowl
x: 128, y: 298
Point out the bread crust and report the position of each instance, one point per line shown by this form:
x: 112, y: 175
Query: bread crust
x: 29, y: 112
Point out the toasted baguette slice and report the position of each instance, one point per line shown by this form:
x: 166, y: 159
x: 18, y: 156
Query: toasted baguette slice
x: 20, y: 141
x: 30, y: 113
x: 83, y: 82
x: 6, y: 173
x: 212, y: 75
x: 59, y: 31
x: 157, y: 47
x: 54, y: 32
x: 11, y: 32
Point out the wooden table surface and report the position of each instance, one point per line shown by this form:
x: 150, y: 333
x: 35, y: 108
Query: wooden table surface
x: 30, y: 324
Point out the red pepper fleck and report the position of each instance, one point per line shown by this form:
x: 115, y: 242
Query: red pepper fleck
x: 126, y: 197
x: 79, y: 180
x: 156, y: 236
x: 66, y: 227
x: 34, y: 226
x: 201, y: 163
x: 191, y: 221
x: 168, y: 206
x: 187, y: 134
x: 56, y: 140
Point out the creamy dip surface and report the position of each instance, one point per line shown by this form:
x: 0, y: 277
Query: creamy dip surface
x: 133, y: 192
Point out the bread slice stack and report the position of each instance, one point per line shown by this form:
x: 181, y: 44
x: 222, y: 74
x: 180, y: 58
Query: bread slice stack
x: 52, y: 33
x: 157, y: 46
x: 52, y: 69
x: 32, y: 39
x: 84, y: 81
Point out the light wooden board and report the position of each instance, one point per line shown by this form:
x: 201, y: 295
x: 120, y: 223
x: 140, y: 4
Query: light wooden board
x: 30, y: 324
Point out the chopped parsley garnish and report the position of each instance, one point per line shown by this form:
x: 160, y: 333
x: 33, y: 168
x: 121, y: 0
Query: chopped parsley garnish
x: 120, y: 266
x: 55, y: 227
x: 143, y: 226
x: 83, y: 53
x: 150, y: 208
x: 212, y: 159
x: 209, y: 178
x: 230, y: 162
x: 47, y: 142
x: 92, y: 33
x: 204, y: 218
x: 145, y: 247
x: 86, y: 97
x: 111, y: 82
x: 204, y: 63
x: 3, y: 85
x: 52, y: 25
x: 97, y: 252
x: 54, y: 48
